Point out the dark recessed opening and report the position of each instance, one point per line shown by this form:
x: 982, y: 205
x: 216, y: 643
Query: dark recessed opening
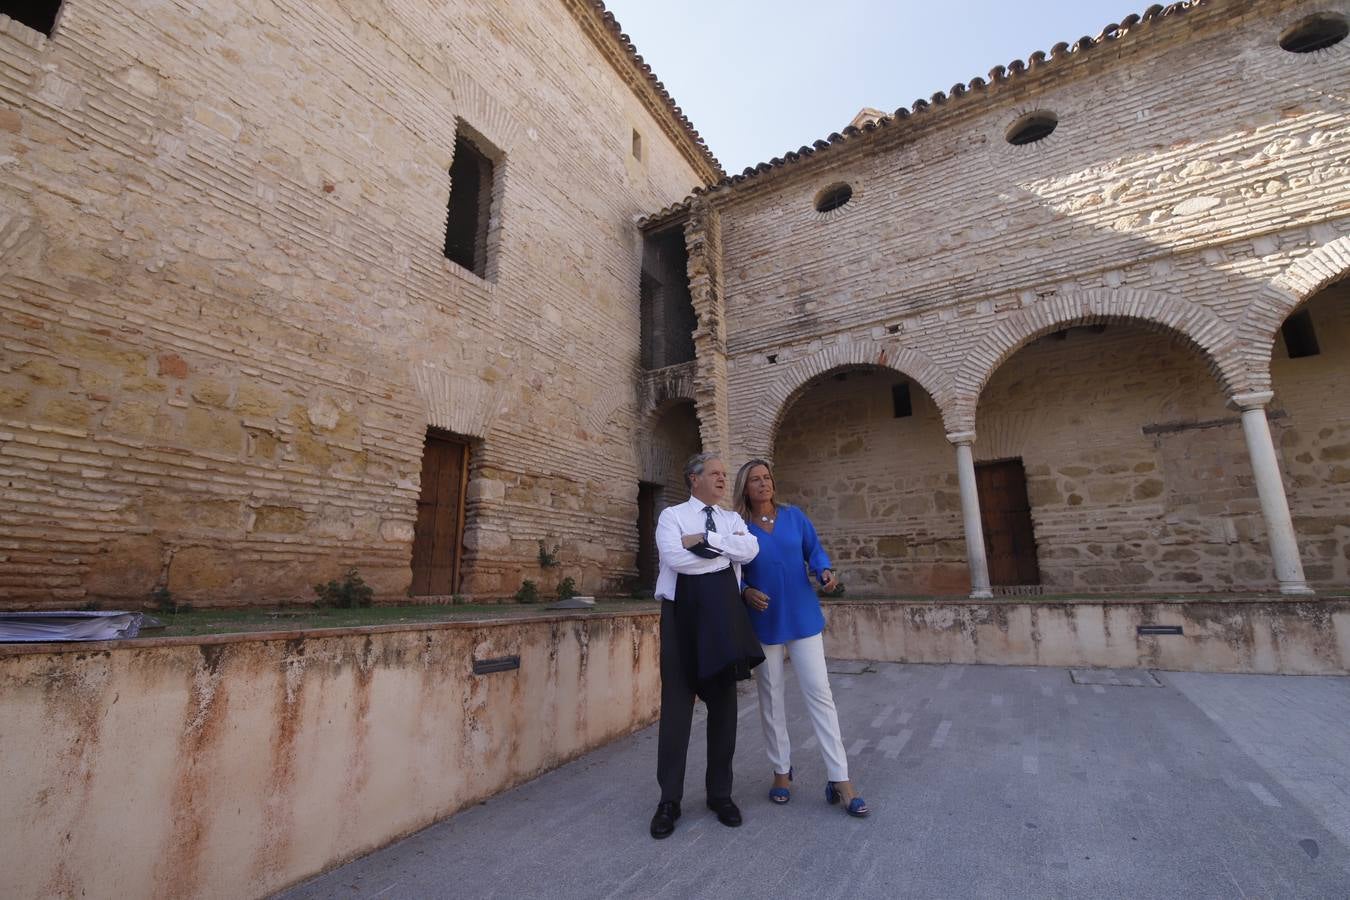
x: 892, y: 329
x: 495, y: 664
x: 773, y: 358
x: 39, y: 15
x: 1032, y: 127
x: 1300, y: 338
x: 900, y: 400
x: 667, y: 310
x: 833, y: 197
x: 841, y: 376
x: 637, y: 145
x: 1315, y: 33
x: 470, y: 207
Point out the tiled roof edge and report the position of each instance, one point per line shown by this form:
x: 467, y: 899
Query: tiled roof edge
x: 1036, y: 62
x: 606, y: 33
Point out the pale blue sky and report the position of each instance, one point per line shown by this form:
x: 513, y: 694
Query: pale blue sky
x: 759, y: 78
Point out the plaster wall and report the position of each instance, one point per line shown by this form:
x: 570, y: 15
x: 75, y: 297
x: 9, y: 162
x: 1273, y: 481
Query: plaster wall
x: 232, y: 767
x: 1241, y: 636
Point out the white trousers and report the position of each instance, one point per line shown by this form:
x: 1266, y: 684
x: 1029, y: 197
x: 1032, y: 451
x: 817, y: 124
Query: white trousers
x: 808, y: 661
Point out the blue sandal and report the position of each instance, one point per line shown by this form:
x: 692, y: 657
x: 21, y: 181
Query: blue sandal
x: 781, y: 794
x: 857, y: 807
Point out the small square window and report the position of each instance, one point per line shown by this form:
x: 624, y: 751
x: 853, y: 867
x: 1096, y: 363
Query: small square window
x: 637, y: 145
x: 39, y: 15
x: 1300, y: 338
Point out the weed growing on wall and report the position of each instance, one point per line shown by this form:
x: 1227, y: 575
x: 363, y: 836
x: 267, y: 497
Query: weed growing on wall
x: 351, y: 592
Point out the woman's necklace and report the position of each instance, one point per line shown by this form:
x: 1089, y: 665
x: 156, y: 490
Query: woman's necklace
x: 768, y: 519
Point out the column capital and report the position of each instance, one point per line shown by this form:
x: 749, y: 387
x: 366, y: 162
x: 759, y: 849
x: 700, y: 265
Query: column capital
x: 1251, y: 400
x: 961, y: 437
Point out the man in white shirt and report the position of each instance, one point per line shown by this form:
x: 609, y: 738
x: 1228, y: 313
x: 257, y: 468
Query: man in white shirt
x: 706, y: 640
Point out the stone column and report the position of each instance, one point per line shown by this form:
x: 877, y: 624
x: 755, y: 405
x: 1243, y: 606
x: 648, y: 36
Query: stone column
x: 970, y: 515
x: 1270, y: 489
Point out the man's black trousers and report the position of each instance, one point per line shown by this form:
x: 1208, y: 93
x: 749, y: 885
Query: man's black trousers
x: 679, y: 686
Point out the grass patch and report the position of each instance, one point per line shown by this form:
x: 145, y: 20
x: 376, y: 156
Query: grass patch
x: 198, y: 622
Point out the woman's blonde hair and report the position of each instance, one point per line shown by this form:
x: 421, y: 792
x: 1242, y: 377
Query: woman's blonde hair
x: 742, y: 476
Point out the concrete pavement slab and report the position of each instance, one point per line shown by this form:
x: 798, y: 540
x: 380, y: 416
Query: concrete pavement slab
x: 984, y: 781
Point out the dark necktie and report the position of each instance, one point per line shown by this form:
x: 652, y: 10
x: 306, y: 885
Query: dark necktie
x: 702, y: 549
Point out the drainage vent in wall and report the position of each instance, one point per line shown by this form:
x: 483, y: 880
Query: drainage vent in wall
x: 1158, y: 629
x: 496, y: 664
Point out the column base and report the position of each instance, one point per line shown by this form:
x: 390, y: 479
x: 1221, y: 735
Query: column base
x: 984, y: 594
x: 1297, y: 589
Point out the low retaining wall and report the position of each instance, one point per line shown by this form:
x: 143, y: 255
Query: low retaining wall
x: 234, y: 766
x: 1265, y: 636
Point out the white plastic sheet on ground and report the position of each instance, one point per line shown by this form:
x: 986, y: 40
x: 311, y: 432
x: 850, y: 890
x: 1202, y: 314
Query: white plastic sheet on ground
x: 73, y: 625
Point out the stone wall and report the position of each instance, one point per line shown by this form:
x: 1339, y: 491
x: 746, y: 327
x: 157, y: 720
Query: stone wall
x: 228, y: 320
x: 1313, y: 436
x: 881, y: 490
x: 232, y: 767
x: 1137, y: 473
x: 1206, y: 214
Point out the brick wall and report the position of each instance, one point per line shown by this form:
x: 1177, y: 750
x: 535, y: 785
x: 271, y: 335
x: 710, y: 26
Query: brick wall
x: 228, y: 321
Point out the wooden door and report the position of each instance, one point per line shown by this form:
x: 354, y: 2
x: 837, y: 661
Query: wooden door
x: 1005, y: 515
x: 440, y: 516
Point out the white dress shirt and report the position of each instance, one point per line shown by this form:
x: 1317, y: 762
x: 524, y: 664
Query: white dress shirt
x: 732, y: 540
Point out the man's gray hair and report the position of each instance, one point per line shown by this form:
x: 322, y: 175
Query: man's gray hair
x: 695, y: 466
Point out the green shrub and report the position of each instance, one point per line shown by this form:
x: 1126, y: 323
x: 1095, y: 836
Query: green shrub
x: 528, y: 593
x: 350, y: 593
x: 567, y: 588
x: 162, y: 597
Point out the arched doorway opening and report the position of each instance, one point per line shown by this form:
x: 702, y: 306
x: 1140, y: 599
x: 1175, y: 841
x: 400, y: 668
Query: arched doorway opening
x: 863, y: 451
x: 1310, y: 417
x: 673, y: 439
x: 1136, y: 474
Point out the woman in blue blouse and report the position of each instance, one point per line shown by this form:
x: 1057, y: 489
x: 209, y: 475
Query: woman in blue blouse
x: 786, y: 615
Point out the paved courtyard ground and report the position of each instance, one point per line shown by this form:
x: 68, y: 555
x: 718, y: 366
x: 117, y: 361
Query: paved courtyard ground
x: 985, y: 782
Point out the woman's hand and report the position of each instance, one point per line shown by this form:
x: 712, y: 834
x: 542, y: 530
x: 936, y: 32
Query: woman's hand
x: 757, y: 599
x: 827, y: 582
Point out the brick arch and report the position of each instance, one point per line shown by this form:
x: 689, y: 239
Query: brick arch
x: 664, y: 387
x: 655, y: 461
x: 462, y: 405
x: 796, y: 378
x: 1197, y: 326
x: 1287, y: 292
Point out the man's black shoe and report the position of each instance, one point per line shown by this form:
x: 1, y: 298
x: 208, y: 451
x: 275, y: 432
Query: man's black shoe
x: 728, y: 813
x: 663, y: 823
